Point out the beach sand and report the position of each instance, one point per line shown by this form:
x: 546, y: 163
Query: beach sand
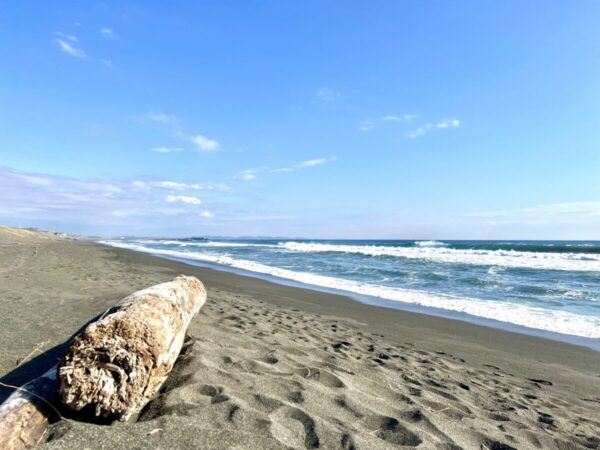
x: 283, y: 367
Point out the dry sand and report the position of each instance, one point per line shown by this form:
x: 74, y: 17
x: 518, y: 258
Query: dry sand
x: 282, y: 367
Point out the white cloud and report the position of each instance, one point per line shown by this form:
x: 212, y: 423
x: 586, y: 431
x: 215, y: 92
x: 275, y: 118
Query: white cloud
x: 249, y: 174
x: 313, y: 162
x: 327, y: 95
x: 448, y: 123
x: 106, y: 62
x: 428, y: 127
x: 308, y: 163
x: 69, y: 49
x: 370, y: 123
x: 207, y: 214
x: 159, y: 117
x: 188, y: 199
x: 366, y: 125
x: 107, y: 32
x: 178, y: 186
x: 252, y: 174
x: 166, y: 149
x: 204, y: 144
x: 70, y: 37
x: 174, y: 185
x: 403, y: 118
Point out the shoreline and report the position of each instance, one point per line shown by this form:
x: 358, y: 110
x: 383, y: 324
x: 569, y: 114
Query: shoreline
x: 380, y: 302
x: 276, y: 366
x: 391, y: 320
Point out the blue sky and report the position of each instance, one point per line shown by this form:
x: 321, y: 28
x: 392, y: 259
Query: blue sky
x: 393, y: 119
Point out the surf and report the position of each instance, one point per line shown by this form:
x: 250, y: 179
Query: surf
x: 552, y: 320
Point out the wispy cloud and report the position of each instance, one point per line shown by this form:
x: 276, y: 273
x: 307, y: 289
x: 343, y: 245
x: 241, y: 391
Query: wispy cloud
x: 204, y: 144
x: 178, y: 186
x: 428, y: 127
x: 201, y: 142
x: 327, y: 95
x: 188, y: 199
x: 252, y: 174
x: 106, y: 62
x: 305, y: 164
x: 39, y: 198
x: 249, y: 174
x: 313, y: 162
x: 107, y: 32
x: 166, y: 149
x: 160, y: 117
x: 69, y: 37
x: 106, y: 206
x: 372, y: 122
x: 69, y: 48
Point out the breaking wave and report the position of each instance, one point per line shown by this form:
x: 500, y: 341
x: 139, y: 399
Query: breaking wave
x: 502, y: 258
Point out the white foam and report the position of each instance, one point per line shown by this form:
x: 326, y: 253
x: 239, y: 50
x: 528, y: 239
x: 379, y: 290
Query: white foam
x: 502, y: 258
x: 430, y: 244
x: 563, y: 322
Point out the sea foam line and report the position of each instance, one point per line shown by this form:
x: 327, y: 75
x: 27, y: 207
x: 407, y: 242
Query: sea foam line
x: 199, y: 244
x: 503, y: 258
x: 562, y: 322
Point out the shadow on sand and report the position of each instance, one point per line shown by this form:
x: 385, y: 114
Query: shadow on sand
x: 36, y: 366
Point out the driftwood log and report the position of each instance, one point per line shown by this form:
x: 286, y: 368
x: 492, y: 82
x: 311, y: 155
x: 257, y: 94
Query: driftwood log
x: 115, y: 366
x: 118, y: 363
x: 24, y: 416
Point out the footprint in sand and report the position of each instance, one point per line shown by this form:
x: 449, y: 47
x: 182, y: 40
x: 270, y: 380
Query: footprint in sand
x: 390, y: 430
x: 348, y: 405
x: 266, y: 403
x: 321, y: 376
x: 216, y: 392
x: 347, y: 442
x: 296, y: 397
x: 271, y: 359
x: 294, y: 428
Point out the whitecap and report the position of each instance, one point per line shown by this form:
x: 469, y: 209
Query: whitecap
x: 430, y: 244
x: 501, y: 258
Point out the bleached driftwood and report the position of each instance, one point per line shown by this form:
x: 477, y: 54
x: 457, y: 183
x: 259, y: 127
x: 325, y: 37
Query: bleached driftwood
x: 24, y: 416
x: 118, y: 363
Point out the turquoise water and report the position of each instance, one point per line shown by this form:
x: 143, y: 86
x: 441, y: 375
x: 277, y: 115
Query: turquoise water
x: 547, y: 286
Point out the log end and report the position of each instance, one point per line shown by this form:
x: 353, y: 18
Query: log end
x: 115, y: 366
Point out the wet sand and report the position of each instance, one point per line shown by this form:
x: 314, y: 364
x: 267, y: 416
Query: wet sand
x: 284, y: 367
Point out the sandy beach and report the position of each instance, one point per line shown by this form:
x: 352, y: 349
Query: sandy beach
x: 279, y: 367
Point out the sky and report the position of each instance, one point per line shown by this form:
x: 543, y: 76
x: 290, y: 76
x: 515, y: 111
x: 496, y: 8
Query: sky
x: 337, y: 119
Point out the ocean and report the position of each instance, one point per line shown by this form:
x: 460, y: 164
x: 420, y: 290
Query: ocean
x: 544, y: 287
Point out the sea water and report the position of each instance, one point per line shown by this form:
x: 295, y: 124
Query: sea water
x: 546, y: 286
